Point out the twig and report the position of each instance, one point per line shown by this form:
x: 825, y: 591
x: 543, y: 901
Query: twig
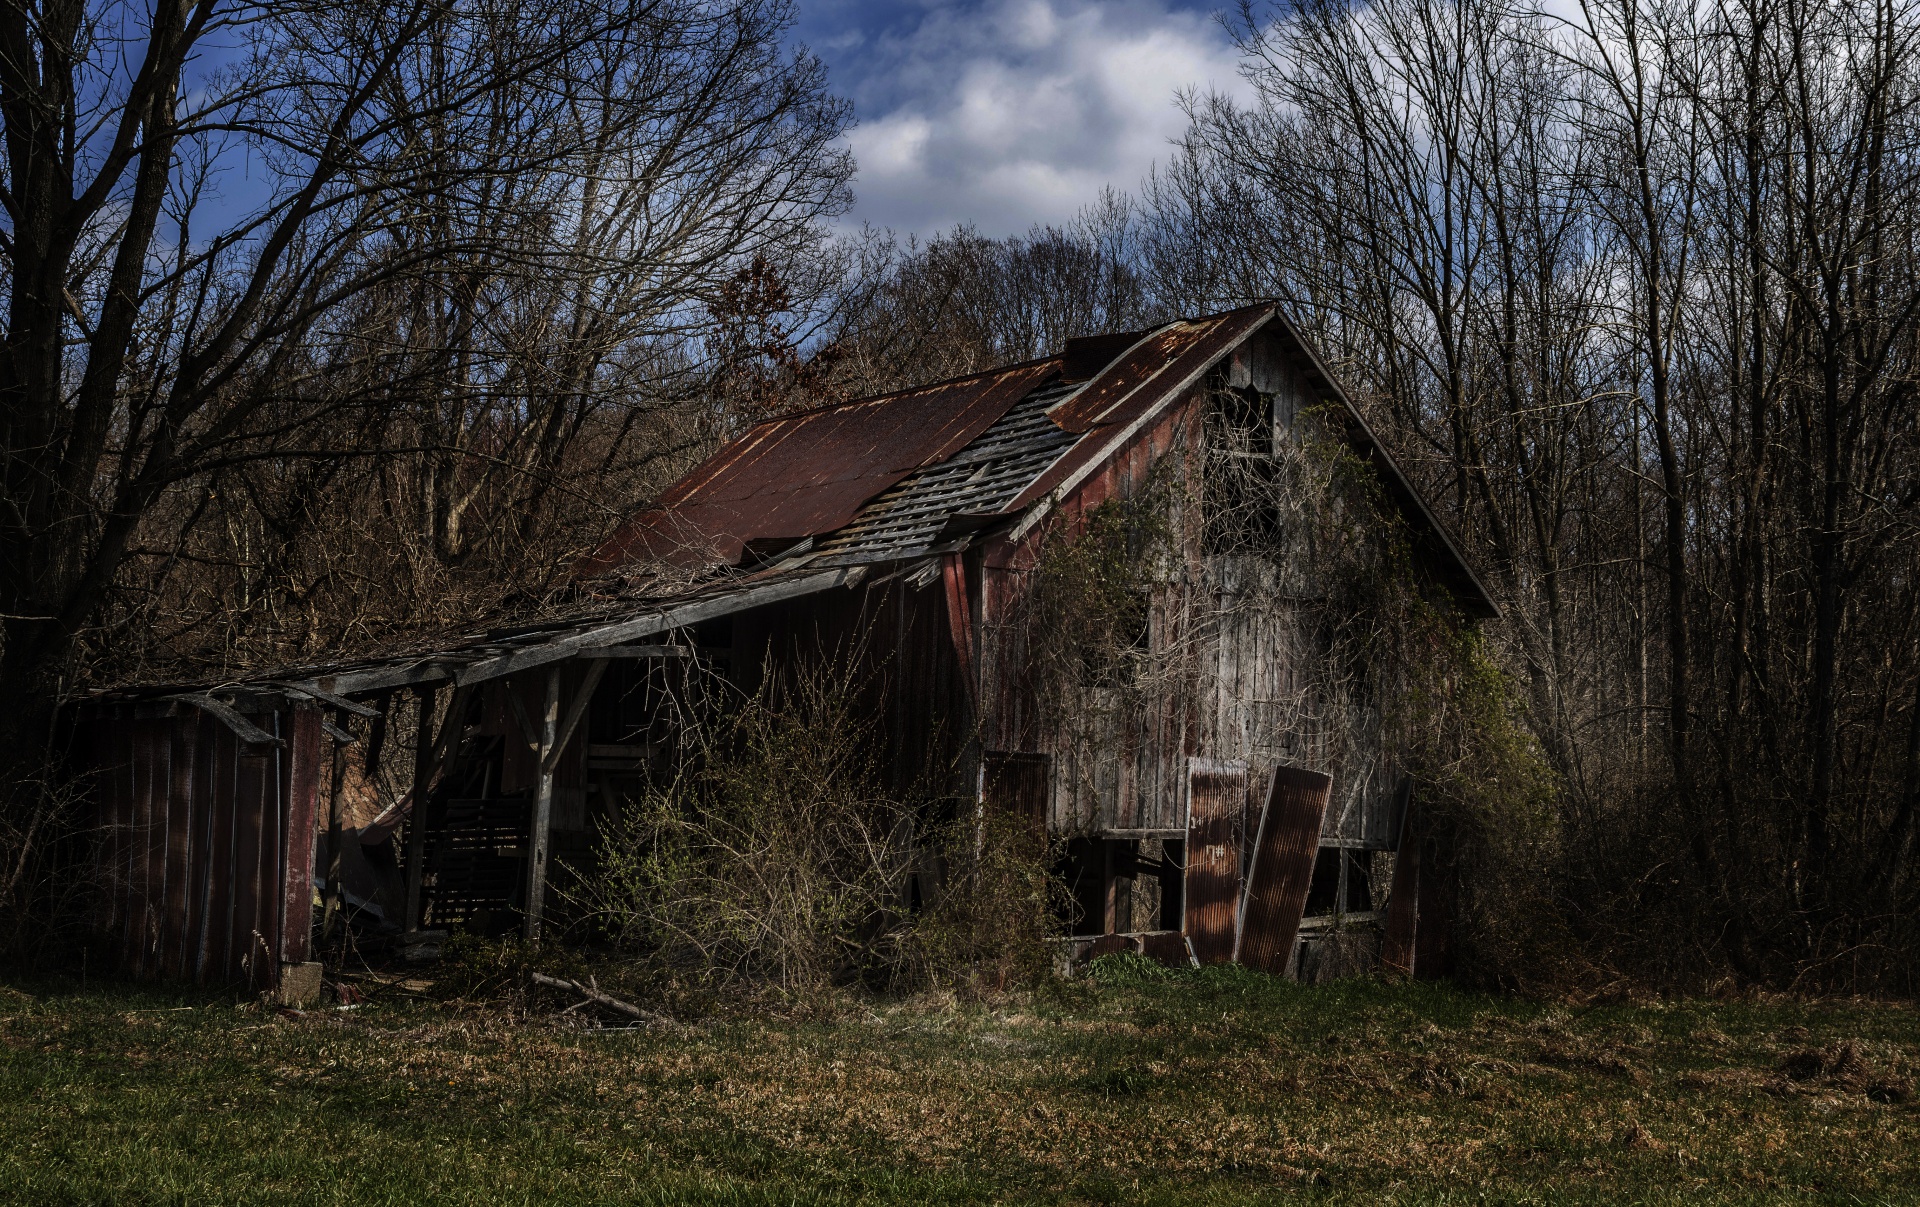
x: 593, y: 994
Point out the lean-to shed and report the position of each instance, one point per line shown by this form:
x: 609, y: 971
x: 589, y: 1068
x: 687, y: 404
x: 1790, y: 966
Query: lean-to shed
x: 1217, y: 792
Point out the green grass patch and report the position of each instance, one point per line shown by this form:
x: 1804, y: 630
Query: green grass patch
x: 1132, y: 1086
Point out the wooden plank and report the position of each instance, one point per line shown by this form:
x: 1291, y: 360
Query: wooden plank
x: 1280, y: 869
x: 1017, y: 785
x: 1433, y: 939
x: 306, y: 748
x: 270, y: 905
x: 204, y: 867
x: 1403, y: 912
x: 646, y: 626
x: 518, y: 711
x: 326, y: 697
x: 152, y: 754
x: 543, y: 808
x: 1216, y: 795
x: 422, y: 672
x: 434, y: 754
x: 1403, y: 893
x: 216, y: 924
x: 113, y: 745
x: 250, y: 770
x: 242, y: 728
x: 417, y: 811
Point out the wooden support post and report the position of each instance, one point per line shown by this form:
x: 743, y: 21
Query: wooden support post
x: 543, y: 806
x: 417, y: 811
x: 1110, y: 922
x: 334, y: 898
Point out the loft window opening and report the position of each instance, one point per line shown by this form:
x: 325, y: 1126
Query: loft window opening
x: 1242, y: 475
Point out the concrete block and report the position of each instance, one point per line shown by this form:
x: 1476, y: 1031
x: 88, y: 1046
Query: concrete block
x: 300, y: 984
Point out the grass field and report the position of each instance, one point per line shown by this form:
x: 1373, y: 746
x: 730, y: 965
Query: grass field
x: 1215, y: 1087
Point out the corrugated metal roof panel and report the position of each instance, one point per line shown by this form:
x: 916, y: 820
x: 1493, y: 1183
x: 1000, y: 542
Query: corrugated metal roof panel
x: 1162, y: 358
x: 1147, y: 375
x: 808, y: 474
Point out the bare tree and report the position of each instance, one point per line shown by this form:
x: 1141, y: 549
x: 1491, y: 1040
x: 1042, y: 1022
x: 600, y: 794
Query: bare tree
x: 467, y: 230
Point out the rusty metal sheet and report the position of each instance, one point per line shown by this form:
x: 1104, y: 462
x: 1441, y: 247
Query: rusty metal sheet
x: 1110, y: 945
x: 1168, y: 947
x: 953, y: 574
x: 181, y: 814
x: 1403, y: 912
x: 1280, y: 870
x: 1216, y: 796
x: 808, y: 474
x: 1433, y: 939
x: 1124, y: 389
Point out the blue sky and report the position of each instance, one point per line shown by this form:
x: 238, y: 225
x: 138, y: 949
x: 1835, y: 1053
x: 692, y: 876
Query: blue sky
x: 1004, y: 113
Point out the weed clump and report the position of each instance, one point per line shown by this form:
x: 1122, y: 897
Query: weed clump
x: 775, y: 860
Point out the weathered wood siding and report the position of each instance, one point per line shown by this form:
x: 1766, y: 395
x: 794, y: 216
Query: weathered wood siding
x: 1238, y: 652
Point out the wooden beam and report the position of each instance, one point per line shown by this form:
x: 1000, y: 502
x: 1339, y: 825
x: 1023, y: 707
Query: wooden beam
x: 418, y: 673
x: 326, y: 697
x: 339, y: 735
x: 543, y: 807
x: 647, y: 625
x: 575, y: 711
x: 417, y: 811
x: 645, y: 651
x: 248, y: 733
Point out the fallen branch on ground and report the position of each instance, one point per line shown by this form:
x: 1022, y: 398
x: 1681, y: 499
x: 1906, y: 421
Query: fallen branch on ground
x: 593, y: 994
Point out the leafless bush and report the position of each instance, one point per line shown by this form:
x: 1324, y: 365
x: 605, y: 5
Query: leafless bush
x: 776, y: 858
x: 44, y: 884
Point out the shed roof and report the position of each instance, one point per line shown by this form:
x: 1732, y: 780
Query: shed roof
x: 799, y: 504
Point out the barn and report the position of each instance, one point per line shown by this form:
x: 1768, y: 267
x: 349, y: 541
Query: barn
x: 1100, y: 590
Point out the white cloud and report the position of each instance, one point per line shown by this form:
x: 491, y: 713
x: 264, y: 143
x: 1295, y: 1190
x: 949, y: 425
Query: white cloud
x: 1021, y: 111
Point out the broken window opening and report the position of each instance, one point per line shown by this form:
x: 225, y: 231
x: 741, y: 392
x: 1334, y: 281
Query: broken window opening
x: 1242, y: 513
x: 1126, y: 885
x: 1342, y: 888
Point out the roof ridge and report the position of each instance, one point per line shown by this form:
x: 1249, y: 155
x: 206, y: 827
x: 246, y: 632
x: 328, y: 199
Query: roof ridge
x: 900, y: 393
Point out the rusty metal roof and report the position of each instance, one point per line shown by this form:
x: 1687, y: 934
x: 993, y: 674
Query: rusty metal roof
x: 808, y: 474
x: 1154, y: 371
x: 968, y: 489
x: 1162, y: 359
